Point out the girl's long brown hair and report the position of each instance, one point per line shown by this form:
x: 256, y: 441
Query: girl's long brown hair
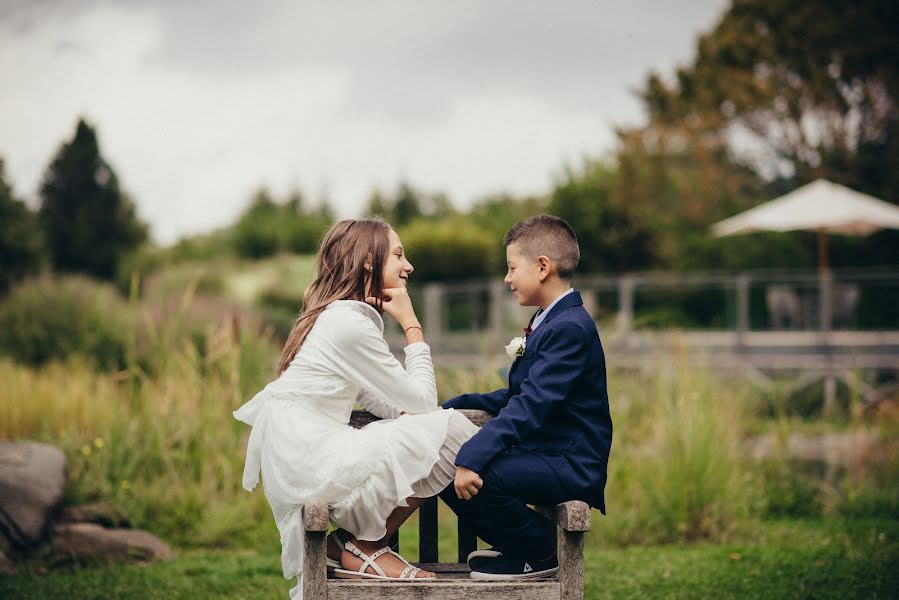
x: 341, y: 274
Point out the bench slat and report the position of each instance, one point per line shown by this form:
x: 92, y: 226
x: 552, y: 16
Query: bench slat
x: 441, y: 589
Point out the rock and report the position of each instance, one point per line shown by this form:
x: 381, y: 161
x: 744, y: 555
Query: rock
x: 101, y: 513
x: 32, y: 477
x: 91, y: 543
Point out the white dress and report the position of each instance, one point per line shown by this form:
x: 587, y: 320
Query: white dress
x: 306, y: 450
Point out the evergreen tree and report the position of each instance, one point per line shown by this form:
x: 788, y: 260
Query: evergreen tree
x: 89, y: 222
x: 21, y: 240
x: 378, y: 206
x: 406, y: 207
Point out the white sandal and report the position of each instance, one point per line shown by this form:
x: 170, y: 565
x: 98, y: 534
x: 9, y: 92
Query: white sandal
x: 409, y: 572
x: 330, y: 562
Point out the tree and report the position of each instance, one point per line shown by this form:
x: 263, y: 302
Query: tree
x: 21, y: 239
x: 269, y: 226
x: 377, y: 206
x: 406, y: 207
x: 803, y: 89
x: 780, y: 93
x: 610, y: 238
x: 89, y: 222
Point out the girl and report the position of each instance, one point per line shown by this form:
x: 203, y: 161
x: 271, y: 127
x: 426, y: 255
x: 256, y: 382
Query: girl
x: 371, y: 478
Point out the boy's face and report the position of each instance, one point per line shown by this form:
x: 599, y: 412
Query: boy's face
x: 523, y: 276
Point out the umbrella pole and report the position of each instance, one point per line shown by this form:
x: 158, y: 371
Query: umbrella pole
x: 825, y: 295
x: 822, y: 251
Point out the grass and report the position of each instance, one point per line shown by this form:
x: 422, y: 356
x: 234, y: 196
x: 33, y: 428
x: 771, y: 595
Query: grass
x: 781, y: 559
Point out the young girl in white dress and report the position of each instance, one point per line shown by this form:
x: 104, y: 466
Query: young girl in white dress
x: 375, y: 477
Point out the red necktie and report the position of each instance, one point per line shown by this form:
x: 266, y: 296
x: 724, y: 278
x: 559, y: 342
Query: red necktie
x: 527, y: 330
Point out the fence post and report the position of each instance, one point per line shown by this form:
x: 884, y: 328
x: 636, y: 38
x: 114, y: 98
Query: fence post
x: 497, y: 296
x: 433, y: 294
x: 742, y: 308
x: 625, y: 318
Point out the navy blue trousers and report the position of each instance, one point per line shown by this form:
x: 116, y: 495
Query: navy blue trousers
x: 499, y: 513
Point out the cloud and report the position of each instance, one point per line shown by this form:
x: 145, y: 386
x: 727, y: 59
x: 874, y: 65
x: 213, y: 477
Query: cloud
x: 199, y: 102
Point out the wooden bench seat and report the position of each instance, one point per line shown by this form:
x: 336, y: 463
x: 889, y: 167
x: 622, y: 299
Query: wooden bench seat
x: 452, y: 581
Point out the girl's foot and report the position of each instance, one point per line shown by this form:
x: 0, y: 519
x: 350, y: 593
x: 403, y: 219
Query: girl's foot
x: 393, y: 565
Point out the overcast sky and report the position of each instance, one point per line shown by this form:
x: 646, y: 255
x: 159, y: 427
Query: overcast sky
x: 199, y: 102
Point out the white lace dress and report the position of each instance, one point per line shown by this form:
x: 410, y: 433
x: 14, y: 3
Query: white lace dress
x: 303, y: 445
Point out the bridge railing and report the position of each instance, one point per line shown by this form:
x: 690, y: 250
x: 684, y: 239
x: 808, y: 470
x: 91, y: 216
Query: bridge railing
x: 708, y: 309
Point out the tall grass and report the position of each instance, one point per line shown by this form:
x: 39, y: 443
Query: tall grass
x: 158, y: 438
x: 676, y: 472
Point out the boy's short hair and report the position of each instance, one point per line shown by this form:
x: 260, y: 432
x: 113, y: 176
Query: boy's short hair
x: 549, y: 236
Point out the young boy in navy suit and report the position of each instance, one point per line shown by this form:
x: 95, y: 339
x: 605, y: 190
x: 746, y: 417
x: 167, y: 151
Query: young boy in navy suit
x: 550, y: 439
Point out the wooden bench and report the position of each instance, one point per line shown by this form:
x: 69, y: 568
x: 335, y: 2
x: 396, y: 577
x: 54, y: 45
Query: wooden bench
x: 452, y: 582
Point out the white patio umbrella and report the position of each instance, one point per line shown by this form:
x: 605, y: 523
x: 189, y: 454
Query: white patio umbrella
x: 822, y: 206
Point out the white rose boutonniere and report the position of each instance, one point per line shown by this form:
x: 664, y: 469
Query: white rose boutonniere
x: 516, y: 347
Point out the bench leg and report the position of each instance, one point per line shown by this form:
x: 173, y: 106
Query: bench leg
x: 571, y: 564
x: 314, y: 566
x: 427, y: 531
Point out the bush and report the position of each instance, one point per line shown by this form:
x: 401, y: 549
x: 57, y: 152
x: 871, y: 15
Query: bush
x: 449, y: 250
x: 788, y: 493
x: 52, y: 318
x: 256, y: 237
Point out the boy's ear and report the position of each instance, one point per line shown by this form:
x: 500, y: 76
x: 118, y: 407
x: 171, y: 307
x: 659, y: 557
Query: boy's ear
x: 544, y: 267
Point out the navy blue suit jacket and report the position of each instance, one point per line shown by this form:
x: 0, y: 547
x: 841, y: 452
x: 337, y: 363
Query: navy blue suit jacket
x: 556, y: 405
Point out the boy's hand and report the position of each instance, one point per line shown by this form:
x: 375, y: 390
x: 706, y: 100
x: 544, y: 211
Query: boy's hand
x: 467, y: 483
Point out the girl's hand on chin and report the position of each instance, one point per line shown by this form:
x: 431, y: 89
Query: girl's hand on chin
x: 397, y: 304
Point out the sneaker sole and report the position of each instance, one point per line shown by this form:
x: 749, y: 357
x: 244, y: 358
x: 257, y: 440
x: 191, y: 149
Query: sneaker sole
x: 508, y: 576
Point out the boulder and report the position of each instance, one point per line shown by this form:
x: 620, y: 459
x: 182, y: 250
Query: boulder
x: 101, y: 513
x: 87, y: 543
x: 32, y: 478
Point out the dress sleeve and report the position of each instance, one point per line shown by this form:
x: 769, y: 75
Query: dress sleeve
x: 376, y: 406
x: 361, y: 354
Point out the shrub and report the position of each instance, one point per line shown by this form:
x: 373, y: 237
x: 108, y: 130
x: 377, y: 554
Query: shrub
x: 449, y: 250
x: 256, y: 237
x: 52, y: 318
x: 262, y: 234
x: 788, y: 493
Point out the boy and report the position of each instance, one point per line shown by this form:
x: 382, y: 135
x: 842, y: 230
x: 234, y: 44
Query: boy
x: 550, y: 439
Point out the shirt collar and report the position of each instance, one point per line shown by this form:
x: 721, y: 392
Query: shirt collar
x: 542, y: 314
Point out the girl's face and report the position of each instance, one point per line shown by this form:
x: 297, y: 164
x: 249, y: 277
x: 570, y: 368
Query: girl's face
x: 396, y: 267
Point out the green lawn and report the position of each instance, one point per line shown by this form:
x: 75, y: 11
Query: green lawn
x: 784, y: 559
